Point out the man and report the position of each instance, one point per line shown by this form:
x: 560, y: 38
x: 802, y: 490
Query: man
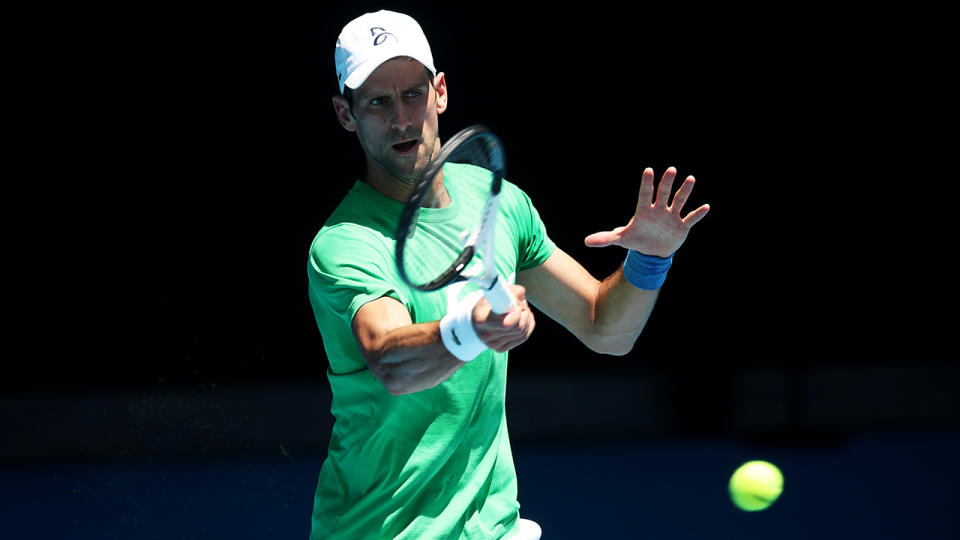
x: 420, y: 447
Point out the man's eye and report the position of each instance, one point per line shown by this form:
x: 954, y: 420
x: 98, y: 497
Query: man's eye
x: 378, y: 101
x: 413, y: 94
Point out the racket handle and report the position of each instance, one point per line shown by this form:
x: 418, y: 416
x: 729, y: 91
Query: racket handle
x: 500, y: 298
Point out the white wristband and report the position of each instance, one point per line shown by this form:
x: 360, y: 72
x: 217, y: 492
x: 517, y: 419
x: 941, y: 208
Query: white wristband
x: 456, y: 329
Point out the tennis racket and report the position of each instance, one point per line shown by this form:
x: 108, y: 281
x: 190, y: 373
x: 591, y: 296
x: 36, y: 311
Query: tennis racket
x: 479, y: 149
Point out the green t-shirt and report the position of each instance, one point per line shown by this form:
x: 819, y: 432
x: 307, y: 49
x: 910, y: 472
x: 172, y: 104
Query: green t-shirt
x: 435, y: 463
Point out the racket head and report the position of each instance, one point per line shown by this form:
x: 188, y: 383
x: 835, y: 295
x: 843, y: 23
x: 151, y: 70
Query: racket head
x: 475, y: 145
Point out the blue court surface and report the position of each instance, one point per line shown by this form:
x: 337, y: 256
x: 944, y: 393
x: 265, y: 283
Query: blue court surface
x: 870, y: 486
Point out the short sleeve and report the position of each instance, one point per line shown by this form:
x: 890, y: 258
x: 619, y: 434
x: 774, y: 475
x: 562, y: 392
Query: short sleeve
x: 534, y: 245
x: 349, y: 267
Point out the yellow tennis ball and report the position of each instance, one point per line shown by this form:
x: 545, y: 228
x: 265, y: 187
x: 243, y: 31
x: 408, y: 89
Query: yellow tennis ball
x: 755, y: 485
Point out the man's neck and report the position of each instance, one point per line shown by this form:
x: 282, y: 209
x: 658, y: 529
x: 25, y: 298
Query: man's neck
x: 399, y: 189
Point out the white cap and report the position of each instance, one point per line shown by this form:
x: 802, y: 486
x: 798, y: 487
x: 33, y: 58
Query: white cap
x: 372, y: 39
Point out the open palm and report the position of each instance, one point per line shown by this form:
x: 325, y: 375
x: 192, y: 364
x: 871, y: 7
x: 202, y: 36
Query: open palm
x: 657, y: 228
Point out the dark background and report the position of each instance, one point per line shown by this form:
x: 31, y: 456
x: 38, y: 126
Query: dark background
x: 196, y: 155
x: 175, y: 163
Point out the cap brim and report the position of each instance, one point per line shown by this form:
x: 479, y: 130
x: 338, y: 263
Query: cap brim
x: 364, y: 70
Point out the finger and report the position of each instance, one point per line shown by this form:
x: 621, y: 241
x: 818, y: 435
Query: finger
x: 695, y: 216
x: 602, y: 239
x: 511, y: 318
x: 505, y: 346
x: 516, y: 343
x: 519, y: 292
x: 518, y: 319
x: 504, y: 342
x: 680, y: 198
x: 522, y: 305
x: 666, y: 186
x: 507, y: 342
x: 645, y: 198
x: 526, y: 326
x: 482, y: 311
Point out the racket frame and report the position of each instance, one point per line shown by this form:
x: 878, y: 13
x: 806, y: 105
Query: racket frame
x: 482, y: 237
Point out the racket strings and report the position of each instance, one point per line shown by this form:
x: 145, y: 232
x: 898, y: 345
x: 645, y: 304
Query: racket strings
x: 437, y: 254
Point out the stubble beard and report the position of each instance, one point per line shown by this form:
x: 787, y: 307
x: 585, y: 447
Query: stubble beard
x: 409, y: 169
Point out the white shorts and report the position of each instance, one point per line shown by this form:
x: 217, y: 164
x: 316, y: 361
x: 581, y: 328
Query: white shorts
x: 526, y: 530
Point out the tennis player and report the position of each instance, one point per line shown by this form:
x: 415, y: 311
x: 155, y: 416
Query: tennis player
x: 420, y: 447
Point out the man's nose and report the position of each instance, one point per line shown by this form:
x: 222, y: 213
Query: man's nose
x: 401, y: 116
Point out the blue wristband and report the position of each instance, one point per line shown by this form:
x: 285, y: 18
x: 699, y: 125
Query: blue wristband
x: 646, y: 271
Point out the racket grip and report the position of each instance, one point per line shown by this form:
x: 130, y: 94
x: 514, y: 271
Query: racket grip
x: 500, y: 298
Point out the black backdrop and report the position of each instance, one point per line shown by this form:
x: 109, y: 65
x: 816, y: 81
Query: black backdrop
x: 191, y: 155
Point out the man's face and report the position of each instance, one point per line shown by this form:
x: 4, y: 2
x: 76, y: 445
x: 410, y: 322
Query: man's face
x: 395, y: 117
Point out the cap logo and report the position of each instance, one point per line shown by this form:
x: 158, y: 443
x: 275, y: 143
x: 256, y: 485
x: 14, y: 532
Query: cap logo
x: 380, y: 35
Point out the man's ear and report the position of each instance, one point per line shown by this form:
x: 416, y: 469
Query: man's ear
x: 440, y: 83
x: 344, y: 114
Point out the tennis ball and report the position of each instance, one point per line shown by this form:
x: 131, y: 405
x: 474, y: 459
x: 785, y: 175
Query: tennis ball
x: 755, y: 485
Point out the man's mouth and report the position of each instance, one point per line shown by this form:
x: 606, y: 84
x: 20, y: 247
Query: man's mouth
x: 405, y: 147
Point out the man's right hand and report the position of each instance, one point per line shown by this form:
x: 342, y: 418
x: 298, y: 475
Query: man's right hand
x: 502, y: 332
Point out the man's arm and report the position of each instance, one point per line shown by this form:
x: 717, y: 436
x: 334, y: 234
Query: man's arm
x: 408, y: 357
x: 609, y: 315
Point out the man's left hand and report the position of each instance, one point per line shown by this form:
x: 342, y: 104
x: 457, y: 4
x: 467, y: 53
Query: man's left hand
x: 657, y: 227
